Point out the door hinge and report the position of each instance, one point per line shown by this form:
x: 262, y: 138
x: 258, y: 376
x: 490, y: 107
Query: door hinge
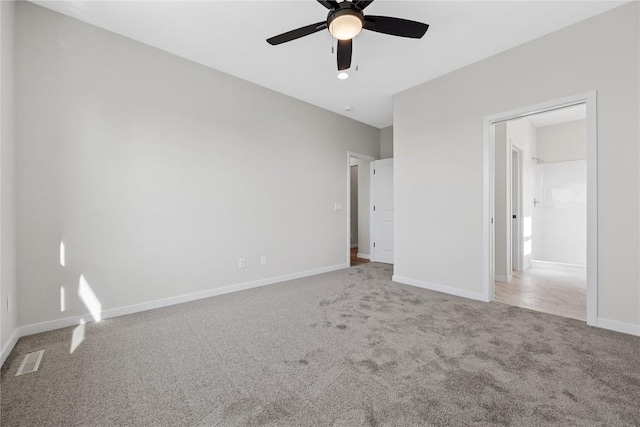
x: 374, y: 244
x: 374, y: 171
x: 491, y: 220
x: 374, y: 208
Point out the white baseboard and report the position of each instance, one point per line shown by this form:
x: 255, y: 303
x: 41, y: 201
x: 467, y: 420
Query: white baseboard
x: 354, y: 245
x: 501, y: 278
x: 37, y: 328
x: 558, y: 266
x: 440, y: 288
x: 9, y: 346
x: 363, y: 256
x: 625, y: 328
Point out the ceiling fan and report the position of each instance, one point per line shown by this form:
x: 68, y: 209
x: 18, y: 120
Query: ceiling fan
x: 345, y: 21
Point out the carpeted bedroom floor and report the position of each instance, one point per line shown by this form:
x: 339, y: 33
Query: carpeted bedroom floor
x: 348, y: 348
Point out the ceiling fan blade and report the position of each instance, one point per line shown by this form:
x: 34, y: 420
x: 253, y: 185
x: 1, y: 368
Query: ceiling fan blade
x: 395, y: 26
x: 363, y: 3
x: 345, y: 48
x: 297, y: 33
x: 329, y: 4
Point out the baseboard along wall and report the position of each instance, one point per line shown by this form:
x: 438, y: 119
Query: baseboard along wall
x: 440, y: 288
x: 612, y: 325
x: 37, y: 328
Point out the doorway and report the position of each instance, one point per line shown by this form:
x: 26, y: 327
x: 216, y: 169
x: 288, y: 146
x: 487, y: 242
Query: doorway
x: 542, y: 198
x: 358, y: 216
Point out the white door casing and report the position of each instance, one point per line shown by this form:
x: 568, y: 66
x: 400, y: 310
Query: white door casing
x: 382, y: 211
x: 590, y: 100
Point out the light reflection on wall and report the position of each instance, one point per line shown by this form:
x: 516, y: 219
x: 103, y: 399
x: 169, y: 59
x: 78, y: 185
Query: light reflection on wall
x: 63, y: 302
x: 528, y: 226
x: 63, y: 255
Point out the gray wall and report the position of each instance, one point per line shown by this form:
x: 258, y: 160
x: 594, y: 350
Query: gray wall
x: 158, y: 173
x: 8, y: 281
x: 386, y: 143
x: 438, y: 150
x: 364, y: 208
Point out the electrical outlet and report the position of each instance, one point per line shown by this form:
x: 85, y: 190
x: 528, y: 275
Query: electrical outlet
x: 242, y: 262
x: 263, y: 260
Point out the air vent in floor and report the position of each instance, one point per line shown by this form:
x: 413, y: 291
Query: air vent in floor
x: 30, y: 363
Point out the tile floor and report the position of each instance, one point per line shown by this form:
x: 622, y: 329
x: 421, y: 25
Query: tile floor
x: 562, y: 293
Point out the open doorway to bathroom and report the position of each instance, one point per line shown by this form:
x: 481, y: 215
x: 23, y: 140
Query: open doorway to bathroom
x: 540, y: 207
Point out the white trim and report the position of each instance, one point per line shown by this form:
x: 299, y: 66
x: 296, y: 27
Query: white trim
x: 561, y: 266
x: 612, y: 325
x: 479, y: 296
x: 501, y: 278
x: 592, y: 208
x: 488, y: 207
x: 363, y: 256
x: 590, y: 100
x: 9, y: 345
x: 37, y: 328
x: 350, y: 155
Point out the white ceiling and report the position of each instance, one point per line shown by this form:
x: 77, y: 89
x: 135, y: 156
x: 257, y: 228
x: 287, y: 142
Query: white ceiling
x: 230, y: 36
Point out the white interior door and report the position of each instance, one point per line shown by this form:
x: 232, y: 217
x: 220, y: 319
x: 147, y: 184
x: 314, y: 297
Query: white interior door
x: 382, y: 201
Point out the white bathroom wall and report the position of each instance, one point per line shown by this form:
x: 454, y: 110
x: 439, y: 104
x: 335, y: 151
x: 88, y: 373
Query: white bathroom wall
x: 560, y: 185
x: 560, y: 217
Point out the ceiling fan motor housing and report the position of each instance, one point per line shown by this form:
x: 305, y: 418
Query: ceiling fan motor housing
x: 346, y: 21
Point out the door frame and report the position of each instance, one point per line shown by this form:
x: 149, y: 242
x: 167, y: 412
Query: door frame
x: 590, y: 100
x: 359, y: 156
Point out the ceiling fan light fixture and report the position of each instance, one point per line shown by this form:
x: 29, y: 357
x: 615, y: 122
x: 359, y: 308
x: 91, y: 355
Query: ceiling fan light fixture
x: 345, y: 24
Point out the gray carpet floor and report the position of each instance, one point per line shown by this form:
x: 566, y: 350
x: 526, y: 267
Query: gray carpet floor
x: 348, y: 348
